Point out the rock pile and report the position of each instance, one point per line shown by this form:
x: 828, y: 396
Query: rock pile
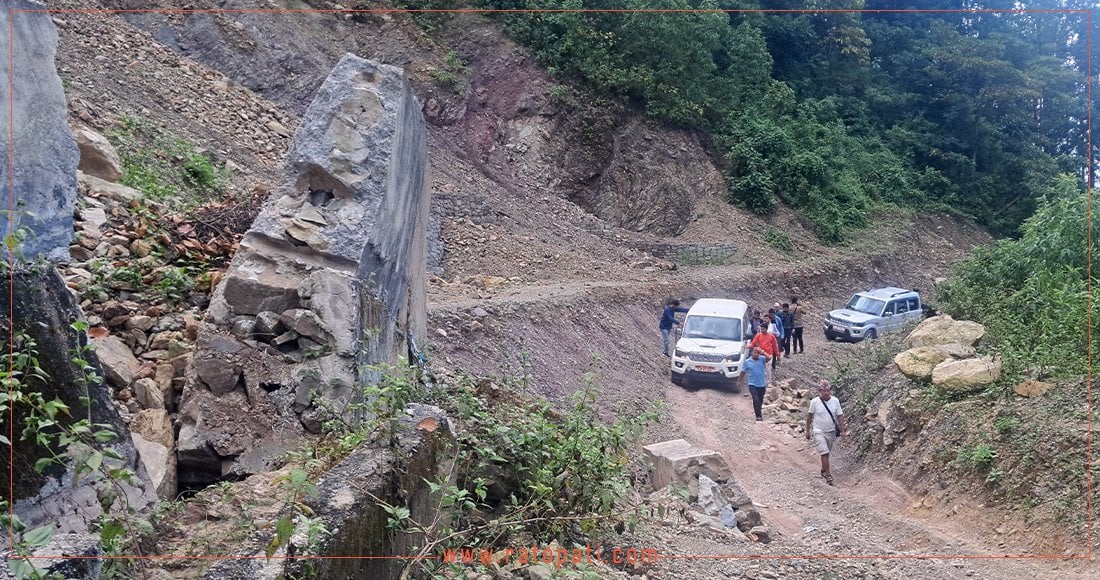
x: 719, y: 502
x: 942, y: 353
x: 787, y: 402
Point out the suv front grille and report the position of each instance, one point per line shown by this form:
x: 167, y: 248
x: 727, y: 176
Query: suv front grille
x: 705, y: 357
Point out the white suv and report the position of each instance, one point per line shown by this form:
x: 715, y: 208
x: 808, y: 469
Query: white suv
x: 712, y: 342
x: 869, y: 314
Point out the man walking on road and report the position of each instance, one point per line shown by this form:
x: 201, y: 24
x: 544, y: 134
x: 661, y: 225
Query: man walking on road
x: 756, y: 372
x: 766, y: 342
x: 824, y: 424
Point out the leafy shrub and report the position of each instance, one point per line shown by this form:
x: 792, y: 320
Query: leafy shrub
x: 1031, y: 293
x: 551, y: 464
x: 980, y: 457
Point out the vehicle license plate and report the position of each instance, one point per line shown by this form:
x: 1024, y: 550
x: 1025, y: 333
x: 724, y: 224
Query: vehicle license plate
x: 706, y: 369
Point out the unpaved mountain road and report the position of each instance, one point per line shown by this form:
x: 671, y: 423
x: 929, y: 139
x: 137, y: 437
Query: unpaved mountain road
x: 867, y: 526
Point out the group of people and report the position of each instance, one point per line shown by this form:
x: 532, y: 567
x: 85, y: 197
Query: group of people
x: 825, y: 420
x: 774, y: 335
x: 783, y: 323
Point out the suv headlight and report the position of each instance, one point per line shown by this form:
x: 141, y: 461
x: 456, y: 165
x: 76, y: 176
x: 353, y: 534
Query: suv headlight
x: 858, y: 324
x: 680, y: 353
x: 733, y: 357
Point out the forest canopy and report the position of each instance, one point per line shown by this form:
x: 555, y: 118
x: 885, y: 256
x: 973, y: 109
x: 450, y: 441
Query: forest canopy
x: 968, y: 106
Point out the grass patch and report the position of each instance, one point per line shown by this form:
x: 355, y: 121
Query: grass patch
x: 778, y: 239
x: 164, y: 166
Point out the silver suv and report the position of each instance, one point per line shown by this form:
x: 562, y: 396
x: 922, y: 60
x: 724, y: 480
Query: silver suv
x: 869, y: 314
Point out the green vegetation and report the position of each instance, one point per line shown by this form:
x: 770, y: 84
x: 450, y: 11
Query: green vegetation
x: 980, y: 457
x: 838, y: 113
x: 57, y: 441
x: 522, y: 470
x: 1031, y: 293
x: 163, y: 166
x: 452, y: 74
x: 778, y: 239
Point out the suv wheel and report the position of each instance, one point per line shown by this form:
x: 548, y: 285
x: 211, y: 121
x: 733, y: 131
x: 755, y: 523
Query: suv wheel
x: 677, y: 379
x: 871, y: 334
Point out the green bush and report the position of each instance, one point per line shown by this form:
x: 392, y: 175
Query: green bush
x: 778, y: 239
x: 1031, y: 293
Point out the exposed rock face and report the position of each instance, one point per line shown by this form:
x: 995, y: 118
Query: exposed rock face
x: 638, y: 192
x: 347, y: 504
x: 966, y: 375
x: 945, y: 330
x: 330, y: 277
x: 97, y: 157
x: 45, y: 308
x: 43, y: 149
x: 917, y: 363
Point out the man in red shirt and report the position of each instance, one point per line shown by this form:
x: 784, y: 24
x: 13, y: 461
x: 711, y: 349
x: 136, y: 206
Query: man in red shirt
x: 767, y: 343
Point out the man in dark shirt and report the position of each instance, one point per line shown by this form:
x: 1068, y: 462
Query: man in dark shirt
x: 788, y: 328
x: 668, y: 320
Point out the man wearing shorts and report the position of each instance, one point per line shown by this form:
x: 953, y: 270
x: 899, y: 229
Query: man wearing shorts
x: 824, y: 424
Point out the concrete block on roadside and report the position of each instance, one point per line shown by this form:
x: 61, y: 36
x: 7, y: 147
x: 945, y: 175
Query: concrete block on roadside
x: 680, y: 461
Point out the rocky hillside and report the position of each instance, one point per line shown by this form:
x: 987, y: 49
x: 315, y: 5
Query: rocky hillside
x: 559, y: 223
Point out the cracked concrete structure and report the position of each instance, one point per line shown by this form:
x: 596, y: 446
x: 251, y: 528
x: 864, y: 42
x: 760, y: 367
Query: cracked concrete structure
x: 329, y: 279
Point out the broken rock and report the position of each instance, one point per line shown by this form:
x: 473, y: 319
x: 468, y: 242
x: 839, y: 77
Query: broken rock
x: 97, y: 156
x: 119, y: 364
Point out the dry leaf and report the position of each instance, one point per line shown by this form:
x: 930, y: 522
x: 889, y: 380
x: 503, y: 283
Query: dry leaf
x: 429, y: 424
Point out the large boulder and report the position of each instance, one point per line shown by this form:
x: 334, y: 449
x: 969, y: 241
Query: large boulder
x: 328, y: 281
x: 917, y: 363
x: 97, y: 157
x: 945, y: 330
x: 44, y: 308
x: 966, y: 375
x: 43, y: 151
x: 678, y: 461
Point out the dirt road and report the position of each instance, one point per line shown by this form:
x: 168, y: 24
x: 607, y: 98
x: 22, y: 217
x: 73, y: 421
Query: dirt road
x: 866, y: 526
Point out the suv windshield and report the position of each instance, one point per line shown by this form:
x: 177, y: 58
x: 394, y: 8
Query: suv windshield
x: 712, y: 327
x: 865, y: 305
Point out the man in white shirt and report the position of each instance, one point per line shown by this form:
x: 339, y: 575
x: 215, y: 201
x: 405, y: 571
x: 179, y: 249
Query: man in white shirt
x: 824, y: 424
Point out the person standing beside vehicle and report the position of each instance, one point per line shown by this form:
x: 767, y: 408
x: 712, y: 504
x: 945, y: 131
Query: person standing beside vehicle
x: 824, y: 424
x: 755, y: 322
x: 796, y: 326
x: 668, y: 320
x: 756, y: 375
